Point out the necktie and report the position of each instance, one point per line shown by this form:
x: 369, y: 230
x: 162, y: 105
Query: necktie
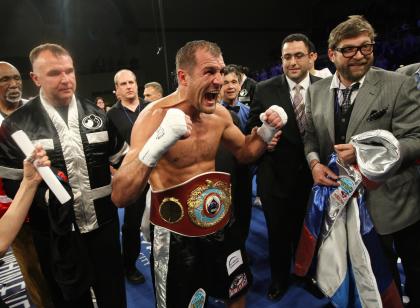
x: 346, y: 103
x: 299, y: 108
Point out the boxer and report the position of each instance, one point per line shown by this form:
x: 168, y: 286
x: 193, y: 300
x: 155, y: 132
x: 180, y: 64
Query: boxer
x: 173, y: 146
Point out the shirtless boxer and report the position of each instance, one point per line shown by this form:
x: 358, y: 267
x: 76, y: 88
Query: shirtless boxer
x: 173, y: 146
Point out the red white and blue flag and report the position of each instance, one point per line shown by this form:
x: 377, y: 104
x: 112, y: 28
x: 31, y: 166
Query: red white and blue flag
x: 340, y: 248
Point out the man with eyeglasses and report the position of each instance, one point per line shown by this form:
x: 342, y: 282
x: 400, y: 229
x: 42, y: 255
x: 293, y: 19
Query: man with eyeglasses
x: 359, y: 99
x: 284, y: 179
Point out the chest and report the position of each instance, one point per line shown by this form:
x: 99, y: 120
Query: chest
x: 200, y: 146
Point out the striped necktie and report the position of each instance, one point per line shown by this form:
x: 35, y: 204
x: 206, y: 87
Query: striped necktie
x: 299, y: 108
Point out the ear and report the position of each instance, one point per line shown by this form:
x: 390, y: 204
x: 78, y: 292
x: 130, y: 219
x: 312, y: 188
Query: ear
x: 35, y: 79
x: 331, y: 55
x: 182, y: 77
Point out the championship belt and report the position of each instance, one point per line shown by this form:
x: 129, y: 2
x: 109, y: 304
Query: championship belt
x: 197, y: 207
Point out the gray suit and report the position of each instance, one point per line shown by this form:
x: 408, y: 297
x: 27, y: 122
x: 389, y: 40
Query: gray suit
x: 396, y: 204
x: 409, y: 70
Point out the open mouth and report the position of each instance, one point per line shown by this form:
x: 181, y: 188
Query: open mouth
x: 211, y: 96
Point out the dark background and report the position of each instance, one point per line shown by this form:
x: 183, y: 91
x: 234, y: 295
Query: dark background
x: 144, y: 35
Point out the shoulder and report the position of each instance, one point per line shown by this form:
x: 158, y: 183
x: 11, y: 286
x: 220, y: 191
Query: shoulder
x: 26, y: 111
x: 87, y: 102
x: 374, y: 75
x: 249, y: 82
x: 314, y: 78
x: 320, y: 83
x: 272, y: 81
x: 409, y: 69
x: 114, y: 110
x: 222, y: 111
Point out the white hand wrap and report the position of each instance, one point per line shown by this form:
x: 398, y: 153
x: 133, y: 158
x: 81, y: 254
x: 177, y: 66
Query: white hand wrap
x: 172, y: 128
x: 266, y: 131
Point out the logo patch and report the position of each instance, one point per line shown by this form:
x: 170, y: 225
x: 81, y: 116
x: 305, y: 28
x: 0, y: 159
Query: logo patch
x: 243, y: 92
x: 238, y: 284
x: 92, y: 121
x: 233, y: 261
x: 209, y: 203
x: 198, y: 299
x: 212, y: 205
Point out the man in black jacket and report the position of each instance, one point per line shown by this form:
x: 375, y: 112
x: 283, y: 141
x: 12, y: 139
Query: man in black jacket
x: 121, y: 119
x: 284, y: 179
x: 75, y: 135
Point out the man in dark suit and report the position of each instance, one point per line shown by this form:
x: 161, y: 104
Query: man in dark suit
x: 284, y: 179
x: 377, y: 99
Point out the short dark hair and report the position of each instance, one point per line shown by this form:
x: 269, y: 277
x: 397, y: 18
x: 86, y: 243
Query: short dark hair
x: 185, y: 57
x: 352, y: 27
x: 297, y: 37
x: 55, y: 49
x: 312, y: 47
x: 232, y: 68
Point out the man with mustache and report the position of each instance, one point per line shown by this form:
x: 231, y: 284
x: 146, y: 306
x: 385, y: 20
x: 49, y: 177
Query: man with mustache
x: 23, y: 245
x: 359, y: 99
x: 173, y: 146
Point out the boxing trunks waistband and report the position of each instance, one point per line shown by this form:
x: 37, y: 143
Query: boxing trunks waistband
x: 197, y: 207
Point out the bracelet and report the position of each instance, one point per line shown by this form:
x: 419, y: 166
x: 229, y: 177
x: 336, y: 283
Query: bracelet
x: 313, y: 166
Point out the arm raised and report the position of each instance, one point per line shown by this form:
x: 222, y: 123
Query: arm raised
x: 154, y: 132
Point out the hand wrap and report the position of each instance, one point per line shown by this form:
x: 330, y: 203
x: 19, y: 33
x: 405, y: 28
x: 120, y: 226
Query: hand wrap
x: 172, y: 128
x: 266, y: 131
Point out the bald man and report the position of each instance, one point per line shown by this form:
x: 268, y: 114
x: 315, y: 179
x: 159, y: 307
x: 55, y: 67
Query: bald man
x: 121, y: 119
x: 23, y: 245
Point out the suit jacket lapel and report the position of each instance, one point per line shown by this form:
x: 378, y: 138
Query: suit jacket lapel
x: 328, y: 107
x: 363, y: 102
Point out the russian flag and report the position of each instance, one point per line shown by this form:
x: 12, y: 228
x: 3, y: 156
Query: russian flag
x: 347, y: 261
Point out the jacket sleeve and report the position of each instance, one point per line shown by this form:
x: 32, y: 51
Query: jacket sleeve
x: 406, y: 115
x: 311, y: 144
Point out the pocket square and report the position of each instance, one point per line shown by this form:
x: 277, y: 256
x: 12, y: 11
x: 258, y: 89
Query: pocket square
x: 376, y: 114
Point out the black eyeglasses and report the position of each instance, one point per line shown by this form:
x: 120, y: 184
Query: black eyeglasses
x: 351, y: 51
x: 298, y: 56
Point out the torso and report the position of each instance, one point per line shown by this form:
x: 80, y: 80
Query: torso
x: 193, y: 155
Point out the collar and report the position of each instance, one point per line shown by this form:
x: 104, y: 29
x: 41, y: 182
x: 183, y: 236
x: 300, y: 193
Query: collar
x: 121, y: 106
x: 45, y: 102
x: 336, y: 83
x: 305, y: 83
x: 244, y: 77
